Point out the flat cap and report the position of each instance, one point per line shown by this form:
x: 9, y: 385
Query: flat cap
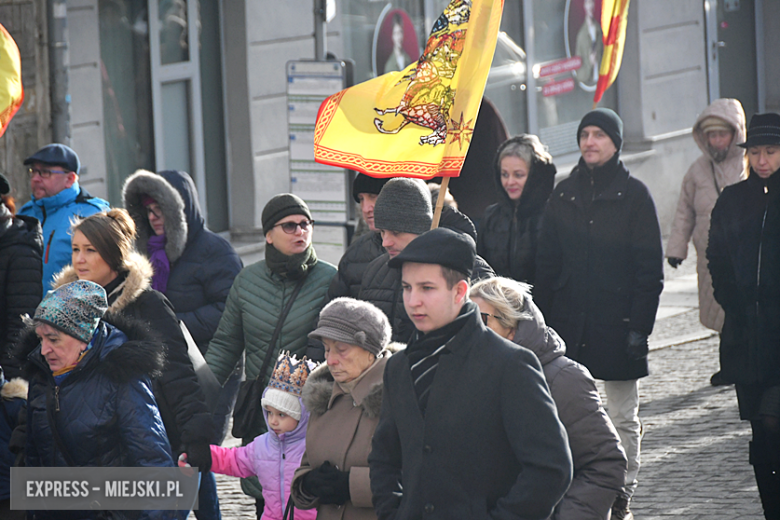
x: 440, y: 246
x: 56, y: 154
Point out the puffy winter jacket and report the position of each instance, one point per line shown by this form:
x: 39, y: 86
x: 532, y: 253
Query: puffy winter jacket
x: 251, y: 311
x: 13, y: 400
x: 599, y: 461
x: 353, y: 265
x: 55, y: 214
x: 107, y: 412
x: 177, y: 390
x: 21, y: 251
x: 701, y: 187
x: 203, y: 264
x: 273, y: 459
x: 508, y: 233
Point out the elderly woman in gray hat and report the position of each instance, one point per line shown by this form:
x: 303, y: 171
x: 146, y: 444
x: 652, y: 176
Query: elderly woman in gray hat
x: 344, y: 397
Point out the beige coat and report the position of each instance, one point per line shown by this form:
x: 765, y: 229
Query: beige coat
x: 341, y: 427
x: 701, y: 187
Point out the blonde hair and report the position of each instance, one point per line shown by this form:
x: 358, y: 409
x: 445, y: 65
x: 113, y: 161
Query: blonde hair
x: 509, y: 297
x: 527, y: 147
x: 112, y: 233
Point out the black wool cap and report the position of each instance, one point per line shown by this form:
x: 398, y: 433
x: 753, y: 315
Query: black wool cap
x: 365, y: 184
x: 440, y: 246
x: 5, y: 186
x: 56, y: 155
x: 764, y: 129
x: 607, y: 120
x: 282, y: 206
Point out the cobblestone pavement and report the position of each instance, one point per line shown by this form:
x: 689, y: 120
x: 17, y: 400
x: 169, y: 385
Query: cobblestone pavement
x: 694, y: 452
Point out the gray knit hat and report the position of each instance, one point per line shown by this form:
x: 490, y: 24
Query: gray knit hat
x: 404, y: 205
x: 74, y: 308
x: 355, y: 322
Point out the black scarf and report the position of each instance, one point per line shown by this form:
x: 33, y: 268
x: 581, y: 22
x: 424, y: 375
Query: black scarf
x: 424, y: 351
x: 292, y: 267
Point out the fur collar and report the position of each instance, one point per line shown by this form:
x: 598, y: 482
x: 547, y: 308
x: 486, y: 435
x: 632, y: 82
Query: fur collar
x: 142, y: 183
x: 139, y: 275
x: 15, y: 388
x: 318, y: 390
x: 142, y: 355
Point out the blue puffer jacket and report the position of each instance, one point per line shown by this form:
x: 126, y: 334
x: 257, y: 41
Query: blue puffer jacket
x: 107, y: 412
x: 203, y: 264
x: 55, y: 214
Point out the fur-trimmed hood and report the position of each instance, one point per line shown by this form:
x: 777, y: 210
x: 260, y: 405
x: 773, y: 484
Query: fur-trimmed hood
x: 174, y: 192
x: 16, y: 388
x: 124, y: 348
x: 318, y: 390
x: 138, y: 279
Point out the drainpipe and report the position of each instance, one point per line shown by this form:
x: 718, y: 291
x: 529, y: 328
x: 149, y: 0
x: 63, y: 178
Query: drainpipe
x: 320, y: 24
x: 57, y: 22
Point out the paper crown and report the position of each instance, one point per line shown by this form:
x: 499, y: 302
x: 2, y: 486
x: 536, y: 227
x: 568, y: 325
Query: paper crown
x: 290, y: 374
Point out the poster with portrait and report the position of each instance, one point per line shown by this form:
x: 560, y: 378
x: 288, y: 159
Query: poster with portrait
x: 583, y: 35
x: 395, y: 41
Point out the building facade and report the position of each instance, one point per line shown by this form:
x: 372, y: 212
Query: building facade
x: 201, y: 85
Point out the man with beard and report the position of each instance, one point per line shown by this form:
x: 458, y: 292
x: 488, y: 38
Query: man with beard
x: 717, y: 132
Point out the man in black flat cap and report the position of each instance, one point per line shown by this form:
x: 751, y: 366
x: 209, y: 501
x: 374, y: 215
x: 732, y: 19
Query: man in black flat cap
x: 744, y: 261
x: 56, y: 199
x: 468, y: 429
x: 599, y: 276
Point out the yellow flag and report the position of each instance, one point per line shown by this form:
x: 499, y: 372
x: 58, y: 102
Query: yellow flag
x: 417, y: 122
x: 11, y: 91
x: 614, y: 18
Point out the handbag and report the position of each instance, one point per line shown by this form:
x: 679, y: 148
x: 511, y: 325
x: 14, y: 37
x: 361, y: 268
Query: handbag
x: 247, y: 409
x: 289, y: 511
x: 206, y: 379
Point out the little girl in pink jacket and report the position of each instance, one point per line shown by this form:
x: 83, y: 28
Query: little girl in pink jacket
x: 274, y: 456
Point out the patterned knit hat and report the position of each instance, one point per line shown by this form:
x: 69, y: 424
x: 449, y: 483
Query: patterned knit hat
x: 404, y: 205
x: 286, y: 385
x: 74, y: 308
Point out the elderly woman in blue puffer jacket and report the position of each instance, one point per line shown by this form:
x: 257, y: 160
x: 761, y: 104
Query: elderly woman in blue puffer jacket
x: 90, y: 380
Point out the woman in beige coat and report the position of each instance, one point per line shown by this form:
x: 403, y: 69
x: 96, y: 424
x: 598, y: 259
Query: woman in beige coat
x: 344, y: 397
x: 718, y: 130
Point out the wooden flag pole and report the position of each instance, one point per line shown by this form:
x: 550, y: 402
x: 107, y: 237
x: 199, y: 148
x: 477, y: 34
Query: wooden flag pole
x: 445, y: 181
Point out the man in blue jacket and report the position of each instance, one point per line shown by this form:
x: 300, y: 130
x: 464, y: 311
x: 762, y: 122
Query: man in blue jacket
x: 56, y: 198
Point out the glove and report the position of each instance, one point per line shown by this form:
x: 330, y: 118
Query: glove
x: 637, y: 345
x: 199, y: 456
x: 674, y: 262
x: 328, y: 484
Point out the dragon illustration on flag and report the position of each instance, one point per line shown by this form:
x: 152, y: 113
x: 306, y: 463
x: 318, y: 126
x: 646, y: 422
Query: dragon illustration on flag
x: 417, y: 122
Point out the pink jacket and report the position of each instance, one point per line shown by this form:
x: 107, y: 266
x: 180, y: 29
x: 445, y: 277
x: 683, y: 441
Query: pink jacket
x: 274, y: 459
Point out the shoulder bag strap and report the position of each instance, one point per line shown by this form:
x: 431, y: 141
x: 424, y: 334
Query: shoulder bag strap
x: 283, y: 316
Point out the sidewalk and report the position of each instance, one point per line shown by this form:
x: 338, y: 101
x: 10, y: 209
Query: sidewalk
x: 694, y: 453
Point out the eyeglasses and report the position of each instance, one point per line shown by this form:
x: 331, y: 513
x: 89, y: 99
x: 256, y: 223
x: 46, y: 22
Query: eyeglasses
x: 485, y: 317
x: 42, y: 172
x: 292, y: 227
x: 152, y: 211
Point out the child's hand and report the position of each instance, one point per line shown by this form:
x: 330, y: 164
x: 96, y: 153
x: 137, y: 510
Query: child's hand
x: 183, y: 461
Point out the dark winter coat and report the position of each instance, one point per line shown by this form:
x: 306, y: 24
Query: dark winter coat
x: 177, y: 391
x: 489, y: 446
x: 203, y: 264
x: 107, y: 412
x: 21, y: 272
x: 508, y: 233
x: 599, y: 461
x: 744, y: 260
x: 353, y: 265
x: 599, y: 267
x: 13, y: 402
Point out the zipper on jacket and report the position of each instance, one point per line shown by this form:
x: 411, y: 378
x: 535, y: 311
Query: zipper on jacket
x: 48, y: 247
x: 43, y: 210
x: 760, y: 248
x: 56, y: 398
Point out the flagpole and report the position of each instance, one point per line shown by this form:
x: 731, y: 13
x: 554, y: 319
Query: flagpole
x: 445, y: 181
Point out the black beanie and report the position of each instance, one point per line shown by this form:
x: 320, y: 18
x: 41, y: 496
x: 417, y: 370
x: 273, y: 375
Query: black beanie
x: 282, y: 206
x: 607, y: 120
x: 5, y: 186
x: 365, y: 184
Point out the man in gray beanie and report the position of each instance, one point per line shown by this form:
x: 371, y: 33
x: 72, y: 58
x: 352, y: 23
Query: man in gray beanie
x: 600, y: 275
x: 403, y: 211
